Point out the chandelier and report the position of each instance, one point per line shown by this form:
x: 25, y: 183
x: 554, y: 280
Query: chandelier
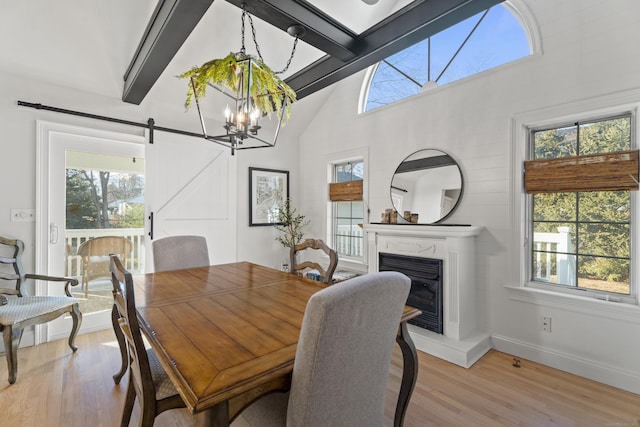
x: 253, y: 90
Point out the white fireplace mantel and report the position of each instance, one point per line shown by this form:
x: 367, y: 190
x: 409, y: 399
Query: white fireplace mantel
x: 461, y: 342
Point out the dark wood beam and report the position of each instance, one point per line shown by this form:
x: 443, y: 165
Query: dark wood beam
x: 170, y: 25
x: 322, y: 31
x: 413, y: 23
x: 347, y: 53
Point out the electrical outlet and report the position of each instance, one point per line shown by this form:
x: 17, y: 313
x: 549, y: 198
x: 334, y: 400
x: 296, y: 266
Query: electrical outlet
x: 546, y: 324
x: 23, y: 215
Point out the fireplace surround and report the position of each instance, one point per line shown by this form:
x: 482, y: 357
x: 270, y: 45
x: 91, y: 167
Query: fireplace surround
x: 426, y: 286
x: 461, y: 341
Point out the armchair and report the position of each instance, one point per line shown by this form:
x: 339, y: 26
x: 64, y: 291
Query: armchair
x: 22, y: 310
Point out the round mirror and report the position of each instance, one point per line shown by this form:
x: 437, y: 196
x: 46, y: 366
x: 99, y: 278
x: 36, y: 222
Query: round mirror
x: 427, y: 183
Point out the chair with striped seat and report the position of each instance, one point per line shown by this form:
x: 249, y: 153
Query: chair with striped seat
x: 19, y: 310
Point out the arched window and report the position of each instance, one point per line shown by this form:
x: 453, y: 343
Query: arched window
x: 490, y: 38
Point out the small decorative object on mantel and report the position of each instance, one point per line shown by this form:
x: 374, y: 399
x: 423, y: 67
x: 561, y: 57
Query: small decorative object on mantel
x: 386, y: 216
x: 390, y: 216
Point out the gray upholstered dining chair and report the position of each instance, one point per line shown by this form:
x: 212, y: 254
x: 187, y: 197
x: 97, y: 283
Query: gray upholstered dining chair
x: 178, y: 252
x: 148, y: 381
x: 342, y: 359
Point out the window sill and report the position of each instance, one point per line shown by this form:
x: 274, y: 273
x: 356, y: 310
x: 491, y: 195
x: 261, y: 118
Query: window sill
x: 586, y: 305
x: 352, y: 264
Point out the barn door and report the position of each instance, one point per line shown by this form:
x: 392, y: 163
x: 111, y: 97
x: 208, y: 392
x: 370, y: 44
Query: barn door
x: 191, y: 189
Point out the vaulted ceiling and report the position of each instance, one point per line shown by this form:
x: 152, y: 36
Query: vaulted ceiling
x: 340, y: 48
x: 91, y: 46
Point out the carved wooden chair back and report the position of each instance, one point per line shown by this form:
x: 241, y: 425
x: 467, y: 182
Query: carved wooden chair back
x: 95, y: 257
x: 19, y: 310
x: 148, y: 381
x: 317, y: 244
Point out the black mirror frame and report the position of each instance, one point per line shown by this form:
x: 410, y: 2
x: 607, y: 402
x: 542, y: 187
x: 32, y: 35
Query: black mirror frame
x: 455, y: 206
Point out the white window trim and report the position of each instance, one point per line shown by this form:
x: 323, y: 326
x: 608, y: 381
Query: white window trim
x: 355, y: 154
x: 529, y: 26
x: 521, y: 289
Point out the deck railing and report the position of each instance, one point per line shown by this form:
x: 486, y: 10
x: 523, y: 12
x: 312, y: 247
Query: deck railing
x: 554, y: 247
x: 349, y: 240
x: 74, y: 238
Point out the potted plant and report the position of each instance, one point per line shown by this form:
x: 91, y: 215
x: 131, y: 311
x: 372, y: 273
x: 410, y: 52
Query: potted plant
x: 291, y: 225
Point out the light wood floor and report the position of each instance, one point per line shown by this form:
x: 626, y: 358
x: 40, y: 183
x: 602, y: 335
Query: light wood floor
x: 56, y: 388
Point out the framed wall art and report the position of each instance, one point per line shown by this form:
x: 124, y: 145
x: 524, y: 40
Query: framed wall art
x: 268, y: 190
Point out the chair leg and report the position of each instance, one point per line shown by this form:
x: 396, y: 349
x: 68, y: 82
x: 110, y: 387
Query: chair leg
x: 124, y: 355
x: 11, y: 342
x: 128, y: 403
x: 409, y: 373
x: 76, y: 315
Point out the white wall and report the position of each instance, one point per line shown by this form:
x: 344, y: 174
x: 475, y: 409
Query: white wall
x: 258, y: 244
x: 588, y: 50
x: 18, y: 147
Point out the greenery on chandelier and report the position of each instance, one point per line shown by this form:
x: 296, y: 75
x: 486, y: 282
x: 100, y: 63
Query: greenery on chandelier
x: 267, y: 90
x: 291, y: 225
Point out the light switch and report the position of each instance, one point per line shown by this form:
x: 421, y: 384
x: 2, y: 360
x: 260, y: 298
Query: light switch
x: 23, y: 215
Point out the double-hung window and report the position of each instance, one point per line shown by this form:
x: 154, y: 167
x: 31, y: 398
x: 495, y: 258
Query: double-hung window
x: 580, y: 178
x: 348, y: 212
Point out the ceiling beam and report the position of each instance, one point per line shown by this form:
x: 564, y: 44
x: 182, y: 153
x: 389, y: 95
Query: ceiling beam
x: 411, y: 24
x: 347, y: 53
x: 322, y: 31
x: 170, y: 25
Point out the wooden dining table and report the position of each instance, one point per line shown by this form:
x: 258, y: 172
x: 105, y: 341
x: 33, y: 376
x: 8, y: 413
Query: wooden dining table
x: 227, y: 334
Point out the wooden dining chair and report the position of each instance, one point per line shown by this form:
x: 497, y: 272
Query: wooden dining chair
x: 178, y: 252
x: 148, y: 381
x: 342, y: 358
x: 19, y: 310
x: 169, y: 253
x: 326, y: 274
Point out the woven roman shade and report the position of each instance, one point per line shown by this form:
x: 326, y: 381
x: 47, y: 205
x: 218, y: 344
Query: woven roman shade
x: 595, y: 172
x: 345, y: 191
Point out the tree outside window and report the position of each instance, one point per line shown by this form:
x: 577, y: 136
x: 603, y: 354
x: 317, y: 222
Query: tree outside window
x: 582, y: 240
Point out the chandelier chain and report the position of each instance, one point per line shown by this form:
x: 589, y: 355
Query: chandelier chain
x: 255, y: 41
x: 244, y: 12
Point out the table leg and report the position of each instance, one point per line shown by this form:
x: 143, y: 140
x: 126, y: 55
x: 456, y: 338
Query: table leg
x: 217, y: 416
x: 124, y: 354
x: 409, y: 373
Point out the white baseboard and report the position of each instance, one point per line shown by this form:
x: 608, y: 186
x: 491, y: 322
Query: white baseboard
x: 594, y: 370
x: 464, y: 352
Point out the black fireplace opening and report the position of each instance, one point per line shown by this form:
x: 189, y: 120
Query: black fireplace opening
x: 426, y: 286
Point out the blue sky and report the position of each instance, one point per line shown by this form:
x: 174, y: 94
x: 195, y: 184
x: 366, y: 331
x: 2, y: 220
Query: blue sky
x: 498, y: 39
